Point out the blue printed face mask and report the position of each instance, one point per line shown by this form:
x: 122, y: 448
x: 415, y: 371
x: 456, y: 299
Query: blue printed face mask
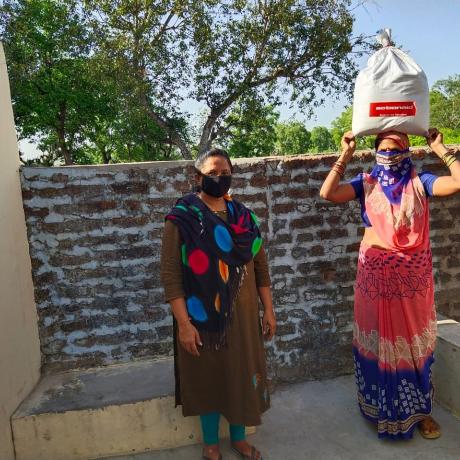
x: 393, y: 171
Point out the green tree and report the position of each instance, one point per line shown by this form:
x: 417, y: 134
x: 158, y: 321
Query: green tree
x: 445, y: 103
x: 250, y: 129
x: 48, y: 53
x: 342, y: 124
x: 84, y: 70
x: 66, y: 95
x: 292, y: 138
x: 451, y: 136
x: 321, y: 140
x: 218, y: 52
x: 417, y: 141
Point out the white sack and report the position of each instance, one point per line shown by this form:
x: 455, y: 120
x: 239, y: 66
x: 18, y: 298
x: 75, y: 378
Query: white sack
x: 391, y: 93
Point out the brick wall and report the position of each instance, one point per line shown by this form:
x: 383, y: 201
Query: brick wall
x: 95, y: 237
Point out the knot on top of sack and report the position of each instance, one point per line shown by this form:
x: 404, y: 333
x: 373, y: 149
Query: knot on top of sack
x: 384, y: 37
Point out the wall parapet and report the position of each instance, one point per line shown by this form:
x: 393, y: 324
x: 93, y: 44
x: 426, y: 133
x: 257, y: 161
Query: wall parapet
x: 95, y: 235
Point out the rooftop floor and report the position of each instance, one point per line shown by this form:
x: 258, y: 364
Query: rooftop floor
x: 321, y: 420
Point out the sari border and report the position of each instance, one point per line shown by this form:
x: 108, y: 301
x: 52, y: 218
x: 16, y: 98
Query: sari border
x: 389, y: 427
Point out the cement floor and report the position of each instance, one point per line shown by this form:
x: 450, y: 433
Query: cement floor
x: 320, y: 421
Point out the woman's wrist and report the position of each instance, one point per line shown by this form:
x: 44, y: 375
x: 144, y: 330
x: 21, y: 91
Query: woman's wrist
x: 449, y: 159
x: 183, y: 323
x: 345, y: 157
x: 446, y: 156
x: 440, y: 150
x: 340, y: 165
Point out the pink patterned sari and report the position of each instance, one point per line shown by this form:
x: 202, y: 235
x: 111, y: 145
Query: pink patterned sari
x: 395, y: 321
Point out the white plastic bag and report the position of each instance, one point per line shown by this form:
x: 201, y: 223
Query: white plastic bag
x: 391, y: 93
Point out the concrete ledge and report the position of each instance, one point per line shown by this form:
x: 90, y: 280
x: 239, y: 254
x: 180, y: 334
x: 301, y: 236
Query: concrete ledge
x: 446, y: 369
x: 129, y: 409
x: 320, y: 420
x: 103, y: 412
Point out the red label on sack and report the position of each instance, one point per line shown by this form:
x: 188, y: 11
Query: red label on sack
x: 392, y: 109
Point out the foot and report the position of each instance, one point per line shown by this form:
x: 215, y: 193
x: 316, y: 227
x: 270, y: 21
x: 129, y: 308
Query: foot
x: 244, y: 448
x: 429, y: 428
x: 211, y: 452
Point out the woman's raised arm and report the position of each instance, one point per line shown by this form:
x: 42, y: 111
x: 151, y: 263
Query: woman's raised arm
x: 444, y: 185
x: 332, y: 190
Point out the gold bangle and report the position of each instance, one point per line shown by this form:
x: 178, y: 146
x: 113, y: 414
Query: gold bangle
x: 339, y: 173
x: 339, y: 169
x: 451, y: 161
x: 448, y: 158
x: 449, y: 152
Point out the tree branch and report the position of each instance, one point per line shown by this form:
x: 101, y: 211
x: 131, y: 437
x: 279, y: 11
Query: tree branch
x: 175, y: 137
x: 163, y: 29
x: 61, y: 133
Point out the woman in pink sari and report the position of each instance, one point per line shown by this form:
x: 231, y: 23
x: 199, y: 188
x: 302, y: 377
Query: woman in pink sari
x: 395, y: 320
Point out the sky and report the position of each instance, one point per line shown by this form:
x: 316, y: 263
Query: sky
x: 429, y: 30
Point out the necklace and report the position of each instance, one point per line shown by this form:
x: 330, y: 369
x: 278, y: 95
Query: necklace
x: 215, y: 211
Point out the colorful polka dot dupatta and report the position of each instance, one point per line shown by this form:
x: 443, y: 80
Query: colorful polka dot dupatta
x: 214, y: 257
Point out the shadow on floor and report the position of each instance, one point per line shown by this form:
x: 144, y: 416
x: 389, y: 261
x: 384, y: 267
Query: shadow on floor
x: 320, y: 421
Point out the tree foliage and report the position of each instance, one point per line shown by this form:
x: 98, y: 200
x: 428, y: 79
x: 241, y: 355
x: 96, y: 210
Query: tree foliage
x: 445, y: 103
x: 342, y: 124
x: 110, y: 80
x: 250, y: 129
x: 48, y: 53
x: 84, y: 71
x: 271, y: 47
x: 292, y: 138
x: 321, y: 140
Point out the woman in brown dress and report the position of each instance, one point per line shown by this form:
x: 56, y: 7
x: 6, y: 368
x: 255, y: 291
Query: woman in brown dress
x: 214, y: 271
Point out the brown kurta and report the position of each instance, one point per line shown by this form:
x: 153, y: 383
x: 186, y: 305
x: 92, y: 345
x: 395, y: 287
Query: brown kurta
x: 232, y: 380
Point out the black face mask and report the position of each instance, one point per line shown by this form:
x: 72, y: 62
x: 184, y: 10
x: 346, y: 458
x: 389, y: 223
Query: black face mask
x: 216, y: 186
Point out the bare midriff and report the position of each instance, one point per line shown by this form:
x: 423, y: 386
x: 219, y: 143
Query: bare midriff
x: 372, y: 240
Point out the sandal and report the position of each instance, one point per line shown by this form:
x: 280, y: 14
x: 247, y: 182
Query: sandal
x: 253, y: 456
x: 430, y: 430
x: 205, y: 457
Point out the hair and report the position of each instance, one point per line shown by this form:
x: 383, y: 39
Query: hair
x: 215, y: 152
